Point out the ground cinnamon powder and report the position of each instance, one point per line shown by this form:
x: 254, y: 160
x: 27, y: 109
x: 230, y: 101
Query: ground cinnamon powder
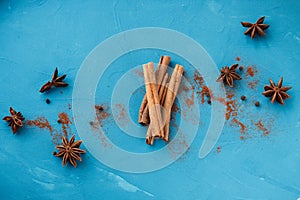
x: 101, y: 115
x: 233, y: 110
x: 40, y: 122
x: 65, y: 122
x: 242, y: 126
x: 177, y: 147
x: 201, y: 89
x: 252, y: 84
x: 190, y: 101
x: 251, y: 71
x: 43, y: 123
x: 123, y: 117
x: 205, y: 92
x: 198, y: 79
x: 261, y: 127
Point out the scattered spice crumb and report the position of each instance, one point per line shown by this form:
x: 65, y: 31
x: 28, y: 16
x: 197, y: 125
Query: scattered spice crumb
x: 40, y: 122
x: 251, y: 71
x: 65, y: 122
x: 102, y: 137
x: 175, y: 108
x: 139, y: 72
x: 183, y: 88
x: 69, y: 106
x: 190, y: 101
x: 178, y: 146
x: 100, y: 107
x: 229, y: 102
x: 233, y: 105
x: 242, y: 126
x: 101, y: 114
x: 218, y: 149
x: 48, y: 101
x: 252, y: 84
x: 43, y: 123
x: 238, y: 58
x: 205, y: 92
x: 230, y: 106
x: 123, y: 117
x: 198, y: 79
x: 261, y: 127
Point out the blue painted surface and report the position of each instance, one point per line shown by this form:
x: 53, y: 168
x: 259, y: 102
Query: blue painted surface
x: 37, y: 36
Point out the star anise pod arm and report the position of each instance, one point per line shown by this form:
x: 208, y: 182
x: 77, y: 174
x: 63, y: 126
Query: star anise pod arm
x: 246, y: 24
x: 260, y: 20
x: 7, y: 118
x: 47, y: 86
x: 54, y: 75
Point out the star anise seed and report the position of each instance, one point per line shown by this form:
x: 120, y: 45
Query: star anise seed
x: 57, y: 81
x: 258, y: 27
x: 228, y: 75
x: 15, y: 121
x: 70, y: 151
x: 276, y: 92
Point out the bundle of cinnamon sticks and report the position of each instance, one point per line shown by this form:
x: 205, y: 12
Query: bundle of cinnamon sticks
x: 161, y: 91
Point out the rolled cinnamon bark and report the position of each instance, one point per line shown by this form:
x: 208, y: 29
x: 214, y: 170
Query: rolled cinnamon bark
x: 156, y: 125
x: 159, y: 73
x: 161, y: 95
x: 170, y: 97
x: 162, y: 100
x: 162, y: 89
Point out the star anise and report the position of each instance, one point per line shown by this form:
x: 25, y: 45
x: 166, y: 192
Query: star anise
x: 228, y: 75
x: 70, y: 150
x: 15, y: 120
x: 57, y: 81
x: 258, y: 27
x: 277, y: 92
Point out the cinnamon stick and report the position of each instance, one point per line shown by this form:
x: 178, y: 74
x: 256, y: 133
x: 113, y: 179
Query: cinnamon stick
x: 162, y: 92
x: 170, y: 97
x: 159, y: 73
x: 156, y: 126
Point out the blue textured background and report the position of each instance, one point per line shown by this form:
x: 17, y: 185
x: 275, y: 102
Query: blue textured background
x: 36, y: 36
